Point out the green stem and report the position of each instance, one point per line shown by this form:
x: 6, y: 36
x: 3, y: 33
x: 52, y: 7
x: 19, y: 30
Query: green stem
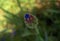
x: 38, y: 37
x: 46, y: 36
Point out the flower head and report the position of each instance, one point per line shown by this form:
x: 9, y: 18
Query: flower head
x: 30, y: 20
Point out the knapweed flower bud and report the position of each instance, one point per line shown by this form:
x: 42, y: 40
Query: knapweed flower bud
x: 30, y: 20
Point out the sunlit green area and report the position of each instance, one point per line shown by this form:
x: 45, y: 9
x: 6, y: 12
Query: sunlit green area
x: 12, y: 6
x: 46, y: 24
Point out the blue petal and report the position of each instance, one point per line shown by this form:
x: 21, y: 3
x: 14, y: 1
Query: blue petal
x: 26, y: 15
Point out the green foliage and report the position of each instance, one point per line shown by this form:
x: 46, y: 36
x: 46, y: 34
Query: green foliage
x: 40, y: 31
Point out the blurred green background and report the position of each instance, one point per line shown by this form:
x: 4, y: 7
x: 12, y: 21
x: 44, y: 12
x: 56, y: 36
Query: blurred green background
x: 14, y: 28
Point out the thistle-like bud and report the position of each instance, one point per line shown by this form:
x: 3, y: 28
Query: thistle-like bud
x: 30, y: 20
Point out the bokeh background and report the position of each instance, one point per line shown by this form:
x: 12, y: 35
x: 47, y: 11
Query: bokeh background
x: 14, y: 28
